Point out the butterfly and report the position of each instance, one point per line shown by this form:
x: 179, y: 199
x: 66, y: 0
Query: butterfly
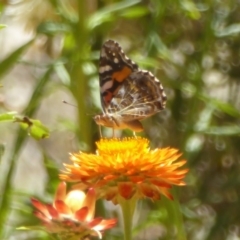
x: 128, y: 93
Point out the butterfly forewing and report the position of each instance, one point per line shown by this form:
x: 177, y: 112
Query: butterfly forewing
x: 114, y: 68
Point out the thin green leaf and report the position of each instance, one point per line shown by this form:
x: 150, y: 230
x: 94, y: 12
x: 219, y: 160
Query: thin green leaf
x: 34, y: 127
x: 20, y: 138
x: 2, y: 151
x: 2, y: 26
x: 53, y: 28
x: 223, y: 130
x: 38, y: 130
x: 9, y: 61
x: 160, y: 46
x: 191, y: 9
x: 219, y: 105
x: 107, y: 13
x: 62, y: 73
x: 37, y: 94
x: 8, y: 116
x: 233, y: 29
x: 135, y: 12
x: 52, y: 171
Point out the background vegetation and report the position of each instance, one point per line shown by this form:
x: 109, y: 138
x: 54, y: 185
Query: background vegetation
x: 49, y: 53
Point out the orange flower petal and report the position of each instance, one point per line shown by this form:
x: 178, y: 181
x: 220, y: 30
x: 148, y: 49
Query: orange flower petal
x: 81, y: 214
x: 60, y: 217
x: 61, y: 192
x: 61, y: 207
x: 42, y: 216
x: 95, y: 222
x: 106, y: 224
x: 52, y: 211
x: 127, y: 167
x: 41, y: 207
x: 90, y: 203
x: 126, y: 190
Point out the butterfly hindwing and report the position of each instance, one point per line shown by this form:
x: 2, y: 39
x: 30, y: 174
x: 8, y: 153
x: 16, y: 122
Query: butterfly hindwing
x: 140, y: 96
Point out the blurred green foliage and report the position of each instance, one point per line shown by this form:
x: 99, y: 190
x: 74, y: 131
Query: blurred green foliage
x: 193, y: 48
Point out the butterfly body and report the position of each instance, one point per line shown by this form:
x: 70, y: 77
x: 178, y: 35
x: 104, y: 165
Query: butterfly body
x: 128, y: 94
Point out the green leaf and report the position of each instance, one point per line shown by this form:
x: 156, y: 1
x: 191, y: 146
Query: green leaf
x: 38, y: 130
x: 219, y: 105
x: 160, y: 46
x: 191, y: 9
x: 62, y: 73
x: 52, y: 170
x: 223, y: 130
x: 134, y: 12
x: 9, y: 61
x: 2, y: 26
x: 8, y: 116
x: 53, y: 28
x: 37, y: 94
x: 34, y: 127
x: 233, y: 29
x: 2, y: 151
x: 107, y: 13
x: 31, y: 228
x: 145, y: 62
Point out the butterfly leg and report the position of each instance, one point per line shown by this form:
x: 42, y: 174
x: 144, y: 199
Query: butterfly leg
x: 113, y: 134
x: 100, y: 131
x: 134, y: 134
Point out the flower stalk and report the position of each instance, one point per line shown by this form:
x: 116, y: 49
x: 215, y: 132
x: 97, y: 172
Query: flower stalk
x: 128, y: 208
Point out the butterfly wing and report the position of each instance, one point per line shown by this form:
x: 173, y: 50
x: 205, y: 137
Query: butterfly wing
x: 140, y: 96
x: 114, y: 68
x: 128, y: 94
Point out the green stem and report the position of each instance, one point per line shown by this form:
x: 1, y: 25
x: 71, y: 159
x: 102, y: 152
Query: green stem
x: 174, y: 217
x: 79, y: 56
x: 6, y: 195
x: 128, y: 208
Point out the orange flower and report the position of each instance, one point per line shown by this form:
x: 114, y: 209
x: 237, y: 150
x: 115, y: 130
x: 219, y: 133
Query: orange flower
x: 127, y: 168
x: 71, y: 215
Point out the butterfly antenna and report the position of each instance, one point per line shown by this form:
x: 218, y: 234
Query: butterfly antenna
x: 88, y: 114
x: 65, y: 102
